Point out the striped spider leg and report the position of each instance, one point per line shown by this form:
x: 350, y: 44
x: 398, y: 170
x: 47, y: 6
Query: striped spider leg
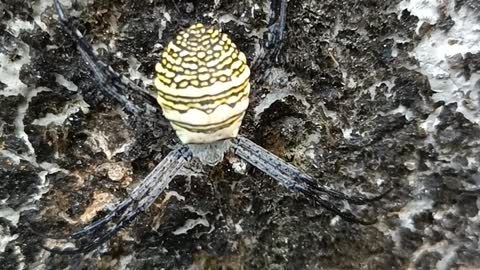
x: 141, y: 198
x: 276, y: 30
x: 292, y: 178
x: 113, y: 84
x: 203, y: 90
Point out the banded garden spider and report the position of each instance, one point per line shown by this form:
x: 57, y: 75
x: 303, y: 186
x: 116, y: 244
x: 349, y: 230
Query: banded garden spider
x: 203, y: 89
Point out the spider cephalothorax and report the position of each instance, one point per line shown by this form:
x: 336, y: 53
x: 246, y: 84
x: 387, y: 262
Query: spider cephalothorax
x: 203, y: 87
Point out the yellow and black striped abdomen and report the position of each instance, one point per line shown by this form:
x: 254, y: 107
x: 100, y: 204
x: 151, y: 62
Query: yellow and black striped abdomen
x: 203, y: 85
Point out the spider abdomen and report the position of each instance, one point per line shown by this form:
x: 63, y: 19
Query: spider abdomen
x: 203, y: 85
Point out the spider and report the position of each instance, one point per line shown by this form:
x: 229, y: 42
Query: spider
x: 203, y: 89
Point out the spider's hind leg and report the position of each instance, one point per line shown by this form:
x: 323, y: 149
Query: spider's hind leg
x: 296, y: 180
x: 140, y: 199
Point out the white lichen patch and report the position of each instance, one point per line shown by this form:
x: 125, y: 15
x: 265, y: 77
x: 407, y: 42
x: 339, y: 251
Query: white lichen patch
x: 123, y: 262
x: 39, y: 8
x: 429, y: 125
x: 10, y: 214
x: 440, y: 56
x: 60, y: 79
x: 70, y: 108
x: 411, y: 209
x: 7, y: 237
x: 427, y: 11
x: 16, y: 25
x: 134, y: 73
x: 281, y: 87
x: 192, y: 223
x: 99, y: 141
x: 10, y: 69
x: 447, y: 251
x: 409, y: 115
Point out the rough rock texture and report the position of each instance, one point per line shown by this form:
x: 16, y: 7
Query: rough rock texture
x: 366, y: 95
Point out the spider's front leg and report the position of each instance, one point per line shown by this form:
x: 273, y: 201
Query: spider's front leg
x: 298, y: 181
x: 277, y: 28
x: 140, y: 199
x: 275, y: 36
x: 113, y: 84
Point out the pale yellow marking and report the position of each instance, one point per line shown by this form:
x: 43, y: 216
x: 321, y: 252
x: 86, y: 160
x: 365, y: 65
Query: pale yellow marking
x: 170, y: 74
x: 227, y: 62
x: 164, y: 79
x: 237, y: 64
x: 183, y: 84
x: 194, y: 82
x: 190, y: 66
x: 184, y: 53
x: 160, y: 68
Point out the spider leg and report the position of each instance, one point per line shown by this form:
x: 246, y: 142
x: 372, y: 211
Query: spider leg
x: 275, y: 36
x: 334, y: 209
x: 140, y: 199
x: 357, y: 200
x: 115, y: 85
x: 139, y: 191
x: 296, y: 180
x: 278, y: 28
x: 298, y: 176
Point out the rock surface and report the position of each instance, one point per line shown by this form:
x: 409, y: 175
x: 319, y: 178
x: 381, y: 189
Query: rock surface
x: 366, y: 95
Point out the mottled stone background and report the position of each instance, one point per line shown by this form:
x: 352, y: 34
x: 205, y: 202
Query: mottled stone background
x: 367, y: 94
